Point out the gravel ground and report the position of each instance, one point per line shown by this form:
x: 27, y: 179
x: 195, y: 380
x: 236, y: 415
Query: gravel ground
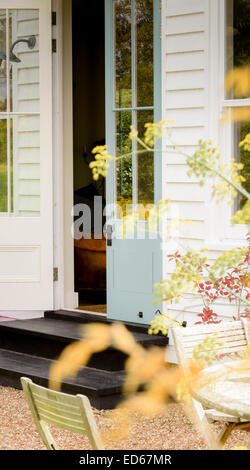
x: 173, y: 430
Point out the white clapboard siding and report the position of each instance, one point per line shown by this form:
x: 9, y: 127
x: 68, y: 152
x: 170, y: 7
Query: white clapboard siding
x: 26, y: 128
x: 190, y: 79
x: 178, y: 173
x: 189, y: 229
x: 29, y: 205
x: 194, y: 60
x: 185, y: 191
x: 181, y: 99
x: 185, y: 101
x: 190, y: 24
x: 185, y: 7
x: 175, y: 157
x: 185, y: 43
x: 189, y: 210
x: 186, y: 117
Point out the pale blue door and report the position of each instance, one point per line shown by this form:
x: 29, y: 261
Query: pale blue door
x: 133, y: 97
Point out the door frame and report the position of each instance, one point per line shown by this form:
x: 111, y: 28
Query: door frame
x: 64, y: 295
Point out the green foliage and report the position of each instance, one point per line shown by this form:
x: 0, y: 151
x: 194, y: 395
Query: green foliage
x: 205, y: 163
x: 204, y: 160
x: 186, y: 275
x: 161, y: 324
x: 243, y: 215
x: 206, y: 351
x: 227, y: 260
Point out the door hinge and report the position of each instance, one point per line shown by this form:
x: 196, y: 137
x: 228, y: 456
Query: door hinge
x: 53, y: 18
x: 54, y: 45
x: 55, y: 274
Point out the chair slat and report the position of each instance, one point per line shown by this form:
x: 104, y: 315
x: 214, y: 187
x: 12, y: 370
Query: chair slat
x: 53, y: 395
x: 224, y: 336
x: 228, y: 345
x: 56, y: 404
x: 41, y: 407
x: 62, y: 423
x: 203, y: 329
x: 239, y: 349
x: 67, y: 419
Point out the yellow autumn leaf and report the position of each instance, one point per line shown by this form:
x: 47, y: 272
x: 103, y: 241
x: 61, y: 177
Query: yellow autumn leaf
x: 119, y: 425
x: 236, y: 114
x: 72, y: 359
x: 238, y: 80
x: 98, y: 336
x: 76, y: 355
x: 122, y: 339
x: 144, y: 404
x: 142, y: 367
x: 164, y: 383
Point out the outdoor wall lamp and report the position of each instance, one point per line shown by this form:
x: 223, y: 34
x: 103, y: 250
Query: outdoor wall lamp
x: 31, y: 42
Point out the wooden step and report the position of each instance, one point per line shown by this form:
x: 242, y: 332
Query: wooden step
x: 28, y: 348
x: 104, y: 388
x: 82, y: 317
x: 47, y: 337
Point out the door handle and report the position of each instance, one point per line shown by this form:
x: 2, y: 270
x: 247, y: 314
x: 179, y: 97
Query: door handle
x: 109, y: 232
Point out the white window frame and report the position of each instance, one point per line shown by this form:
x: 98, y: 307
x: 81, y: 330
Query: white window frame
x: 238, y: 231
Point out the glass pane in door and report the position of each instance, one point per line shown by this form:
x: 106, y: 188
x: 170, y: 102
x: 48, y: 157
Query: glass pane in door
x: 145, y: 163
x: 123, y: 165
x: 122, y: 56
x: 144, y: 52
x: 134, y: 91
x: 19, y: 112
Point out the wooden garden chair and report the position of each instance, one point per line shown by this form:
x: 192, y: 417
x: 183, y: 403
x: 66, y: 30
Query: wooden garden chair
x: 69, y: 412
x: 235, y: 336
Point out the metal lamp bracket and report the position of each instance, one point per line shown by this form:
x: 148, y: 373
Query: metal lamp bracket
x: 31, y: 42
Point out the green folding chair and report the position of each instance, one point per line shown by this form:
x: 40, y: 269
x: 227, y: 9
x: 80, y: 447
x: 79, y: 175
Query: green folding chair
x: 69, y: 412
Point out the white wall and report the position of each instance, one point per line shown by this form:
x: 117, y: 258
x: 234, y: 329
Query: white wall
x: 184, y: 36
x: 191, y: 42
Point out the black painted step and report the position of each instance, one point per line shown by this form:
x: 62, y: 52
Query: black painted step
x: 82, y: 317
x: 47, y: 337
x: 103, y: 388
x: 28, y: 348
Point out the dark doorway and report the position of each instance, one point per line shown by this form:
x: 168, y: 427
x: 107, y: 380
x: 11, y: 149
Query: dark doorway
x: 89, y: 131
